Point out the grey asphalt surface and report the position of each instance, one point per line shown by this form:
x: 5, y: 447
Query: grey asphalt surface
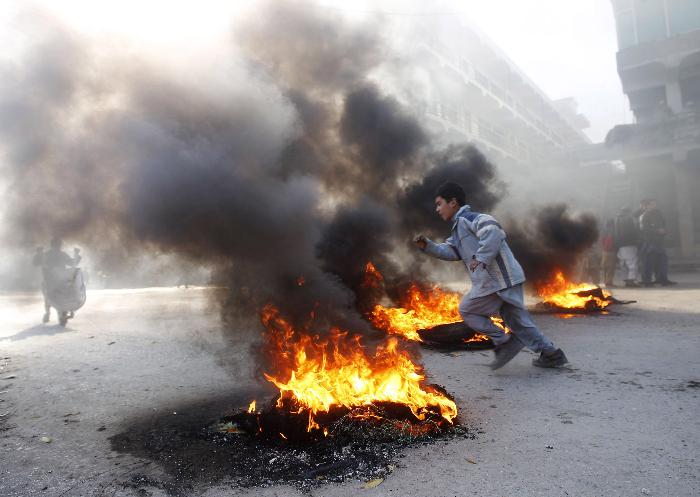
x: 621, y: 420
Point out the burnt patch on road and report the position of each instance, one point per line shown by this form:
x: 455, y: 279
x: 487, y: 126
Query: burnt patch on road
x: 691, y: 385
x: 192, y: 451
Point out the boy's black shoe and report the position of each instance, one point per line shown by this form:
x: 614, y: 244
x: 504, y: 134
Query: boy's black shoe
x: 667, y: 283
x: 550, y: 360
x: 505, y: 352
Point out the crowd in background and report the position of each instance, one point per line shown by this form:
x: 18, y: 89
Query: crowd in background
x: 634, y: 241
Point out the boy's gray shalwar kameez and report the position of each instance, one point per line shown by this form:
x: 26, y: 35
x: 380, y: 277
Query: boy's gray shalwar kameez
x: 497, y: 283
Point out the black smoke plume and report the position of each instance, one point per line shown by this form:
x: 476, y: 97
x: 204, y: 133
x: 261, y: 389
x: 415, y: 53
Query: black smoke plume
x: 551, y: 240
x: 464, y: 165
x: 383, y: 134
x: 354, y: 237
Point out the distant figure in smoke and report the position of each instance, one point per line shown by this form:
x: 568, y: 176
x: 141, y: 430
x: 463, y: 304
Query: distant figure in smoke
x: 497, y: 280
x: 637, y: 214
x: 53, y: 265
x: 607, y: 243
x: 590, y: 270
x: 627, y: 240
x: 653, y: 227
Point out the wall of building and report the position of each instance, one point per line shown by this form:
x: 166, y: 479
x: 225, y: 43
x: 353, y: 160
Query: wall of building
x: 471, y: 90
x: 659, y: 67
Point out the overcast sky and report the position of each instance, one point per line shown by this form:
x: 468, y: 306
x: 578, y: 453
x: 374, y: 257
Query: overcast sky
x: 567, y: 47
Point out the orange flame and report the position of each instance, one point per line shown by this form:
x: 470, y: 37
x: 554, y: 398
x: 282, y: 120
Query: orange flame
x: 564, y: 294
x: 373, y: 278
x: 319, y: 374
x: 251, y: 407
x: 422, y: 309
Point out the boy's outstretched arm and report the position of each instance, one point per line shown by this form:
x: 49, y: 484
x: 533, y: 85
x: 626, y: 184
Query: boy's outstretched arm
x: 490, y: 236
x: 445, y: 251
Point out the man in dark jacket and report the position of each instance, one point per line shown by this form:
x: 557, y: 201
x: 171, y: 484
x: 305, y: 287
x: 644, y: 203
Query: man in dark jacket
x: 637, y: 214
x: 653, y: 227
x: 609, y: 259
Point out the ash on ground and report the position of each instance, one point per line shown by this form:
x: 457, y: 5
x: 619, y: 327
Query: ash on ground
x: 193, y: 453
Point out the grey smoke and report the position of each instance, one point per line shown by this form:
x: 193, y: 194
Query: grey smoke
x: 287, y: 160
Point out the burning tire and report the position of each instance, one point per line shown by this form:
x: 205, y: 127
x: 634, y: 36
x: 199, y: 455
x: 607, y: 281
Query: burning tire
x: 455, y: 335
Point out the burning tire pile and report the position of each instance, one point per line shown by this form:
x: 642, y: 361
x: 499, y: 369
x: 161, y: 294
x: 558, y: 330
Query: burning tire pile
x: 428, y: 314
x: 363, y: 443
x: 359, y: 443
x: 343, y: 411
x: 566, y: 298
x: 425, y: 313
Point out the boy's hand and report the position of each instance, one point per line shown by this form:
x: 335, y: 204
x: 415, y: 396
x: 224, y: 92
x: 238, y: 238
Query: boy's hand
x: 420, y: 241
x: 473, y: 264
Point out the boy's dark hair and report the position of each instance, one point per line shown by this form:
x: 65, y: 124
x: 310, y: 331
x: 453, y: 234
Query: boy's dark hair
x: 450, y: 190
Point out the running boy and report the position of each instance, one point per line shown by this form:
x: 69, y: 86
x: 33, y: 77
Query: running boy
x: 497, y: 280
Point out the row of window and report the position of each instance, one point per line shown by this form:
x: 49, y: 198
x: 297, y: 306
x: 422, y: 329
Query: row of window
x: 481, y: 128
x: 641, y: 21
x: 486, y: 82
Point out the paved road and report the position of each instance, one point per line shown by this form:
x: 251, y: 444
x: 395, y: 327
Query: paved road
x: 621, y: 421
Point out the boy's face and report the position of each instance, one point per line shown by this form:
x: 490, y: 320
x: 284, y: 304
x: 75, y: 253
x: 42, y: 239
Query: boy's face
x: 446, y: 209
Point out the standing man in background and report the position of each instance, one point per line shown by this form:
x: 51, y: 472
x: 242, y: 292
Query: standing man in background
x: 653, y: 227
x: 627, y: 240
x: 607, y: 243
x: 643, y: 204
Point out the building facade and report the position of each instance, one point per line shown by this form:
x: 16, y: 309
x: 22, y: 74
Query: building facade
x: 659, y: 66
x: 471, y: 91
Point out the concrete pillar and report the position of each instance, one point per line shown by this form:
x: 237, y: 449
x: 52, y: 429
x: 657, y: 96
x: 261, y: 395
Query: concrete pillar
x: 674, y: 98
x: 684, y: 192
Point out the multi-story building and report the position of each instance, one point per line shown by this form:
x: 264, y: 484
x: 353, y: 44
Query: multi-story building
x: 473, y: 92
x: 659, y: 66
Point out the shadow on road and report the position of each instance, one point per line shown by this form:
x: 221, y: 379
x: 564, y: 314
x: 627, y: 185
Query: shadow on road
x: 37, y: 330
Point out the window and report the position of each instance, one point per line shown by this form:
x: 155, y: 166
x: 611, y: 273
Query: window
x: 648, y: 103
x: 626, y: 36
x: 651, y: 20
x: 689, y: 80
x: 690, y: 91
x: 683, y: 16
x: 620, y: 5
